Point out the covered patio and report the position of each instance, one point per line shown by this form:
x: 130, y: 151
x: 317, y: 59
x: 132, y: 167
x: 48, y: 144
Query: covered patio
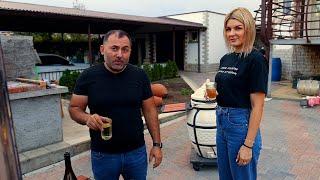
x: 154, y: 39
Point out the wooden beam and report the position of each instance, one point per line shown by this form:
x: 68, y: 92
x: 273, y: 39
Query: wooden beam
x: 89, y: 43
x: 63, y: 46
x: 9, y: 160
x: 263, y: 33
x: 174, y: 45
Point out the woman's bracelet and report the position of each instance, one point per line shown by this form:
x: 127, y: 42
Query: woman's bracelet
x: 247, y: 146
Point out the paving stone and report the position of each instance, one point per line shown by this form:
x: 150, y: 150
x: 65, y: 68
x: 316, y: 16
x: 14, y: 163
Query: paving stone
x: 290, y: 147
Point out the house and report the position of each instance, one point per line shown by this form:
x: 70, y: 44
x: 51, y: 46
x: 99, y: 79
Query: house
x: 155, y: 39
x: 212, y: 44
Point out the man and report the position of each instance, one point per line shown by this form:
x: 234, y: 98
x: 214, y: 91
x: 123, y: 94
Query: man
x: 117, y: 90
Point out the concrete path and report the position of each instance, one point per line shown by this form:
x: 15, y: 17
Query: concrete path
x: 291, y: 148
x: 75, y: 140
x: 194, y: 79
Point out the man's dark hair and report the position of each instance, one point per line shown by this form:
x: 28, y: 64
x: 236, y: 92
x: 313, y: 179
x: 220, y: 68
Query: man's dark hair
x: 120, y: 33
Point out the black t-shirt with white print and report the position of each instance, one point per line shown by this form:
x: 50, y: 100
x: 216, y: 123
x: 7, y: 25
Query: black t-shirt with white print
x: 238, y: 77
x: 119, y: 97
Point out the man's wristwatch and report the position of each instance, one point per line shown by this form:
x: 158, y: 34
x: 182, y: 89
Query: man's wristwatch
x: 157, y: 145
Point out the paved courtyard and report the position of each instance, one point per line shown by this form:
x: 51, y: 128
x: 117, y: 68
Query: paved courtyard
x: 291, y: 148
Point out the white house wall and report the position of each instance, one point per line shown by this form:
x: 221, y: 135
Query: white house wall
x: 212, y: 46
x: 196, y: 17
x: 216, y: 41
x: 192, y: 55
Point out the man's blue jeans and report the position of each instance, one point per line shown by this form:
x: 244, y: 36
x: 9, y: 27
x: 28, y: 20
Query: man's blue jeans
x: 131, y: 165
x: 232, y: 128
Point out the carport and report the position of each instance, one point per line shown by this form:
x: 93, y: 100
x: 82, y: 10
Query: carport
x: 150, y: 34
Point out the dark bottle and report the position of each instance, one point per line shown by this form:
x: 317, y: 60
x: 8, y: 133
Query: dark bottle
x: 68, y: 174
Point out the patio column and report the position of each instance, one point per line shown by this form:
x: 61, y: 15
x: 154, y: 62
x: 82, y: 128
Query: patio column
x: 147, y: 46
x: 174, y: 45
x: 63, y: 46
x: 89, y: 43
x: 139, y: 52
x: 154, y: 43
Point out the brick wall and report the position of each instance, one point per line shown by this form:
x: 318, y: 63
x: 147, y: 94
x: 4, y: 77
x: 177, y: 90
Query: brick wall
x: 19, y: 56
x: 302, y: 58
x: 306, y: 59
x: 285, y: 53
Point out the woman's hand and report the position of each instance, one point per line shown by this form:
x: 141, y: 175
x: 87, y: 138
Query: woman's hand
x: 244, y: 156
x: 208, y: 98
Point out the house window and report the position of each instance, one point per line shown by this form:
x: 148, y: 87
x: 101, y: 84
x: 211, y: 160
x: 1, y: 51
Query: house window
x: 193, y: 37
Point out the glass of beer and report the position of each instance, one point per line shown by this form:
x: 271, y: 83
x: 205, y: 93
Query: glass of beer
x: 211, y: 90
x: 106, y: 133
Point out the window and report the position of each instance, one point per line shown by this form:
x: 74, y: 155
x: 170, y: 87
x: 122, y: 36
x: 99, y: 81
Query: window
x: 193, y: 37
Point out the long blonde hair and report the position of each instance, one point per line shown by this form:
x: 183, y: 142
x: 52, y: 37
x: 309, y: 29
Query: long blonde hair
x: 245, y: 17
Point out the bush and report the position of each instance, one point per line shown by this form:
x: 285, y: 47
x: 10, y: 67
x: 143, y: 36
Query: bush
x: 173, y: 68
x: 158, y: 72
x: 167, y: 72
x: 69, y: 79
x: 186, y: 91
x: 148, y: 69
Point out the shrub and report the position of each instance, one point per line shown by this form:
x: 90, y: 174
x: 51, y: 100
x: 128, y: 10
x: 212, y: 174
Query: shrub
x: 167, y: 72
x: 186, y: 92
x: 173, y: 68
x: 157, y: 72
x: 148, y: 69
x: 69, y: 79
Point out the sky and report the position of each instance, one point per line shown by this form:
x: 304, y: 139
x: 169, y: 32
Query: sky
x: 153, y: 8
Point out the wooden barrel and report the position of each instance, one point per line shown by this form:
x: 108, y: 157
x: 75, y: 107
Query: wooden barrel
x: 308, y: 87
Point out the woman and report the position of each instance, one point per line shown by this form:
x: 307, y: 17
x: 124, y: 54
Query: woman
x: 241, y: 83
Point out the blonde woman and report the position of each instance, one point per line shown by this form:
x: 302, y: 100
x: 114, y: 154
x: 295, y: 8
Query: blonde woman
x: 241, y: 83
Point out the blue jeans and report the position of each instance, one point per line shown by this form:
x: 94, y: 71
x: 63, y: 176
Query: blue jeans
x: 232, y: 128
x: 131, y: 165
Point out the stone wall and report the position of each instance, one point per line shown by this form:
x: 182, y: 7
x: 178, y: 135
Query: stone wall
x: 306, y: 60
x: 301, y: 58
x: 19, y: 56
x: 37, y: 118
x: 284, y: 52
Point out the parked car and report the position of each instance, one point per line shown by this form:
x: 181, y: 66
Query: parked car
x: 53, y: 59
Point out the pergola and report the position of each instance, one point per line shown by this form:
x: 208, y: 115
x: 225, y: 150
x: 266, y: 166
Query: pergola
x: 25, y: 17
